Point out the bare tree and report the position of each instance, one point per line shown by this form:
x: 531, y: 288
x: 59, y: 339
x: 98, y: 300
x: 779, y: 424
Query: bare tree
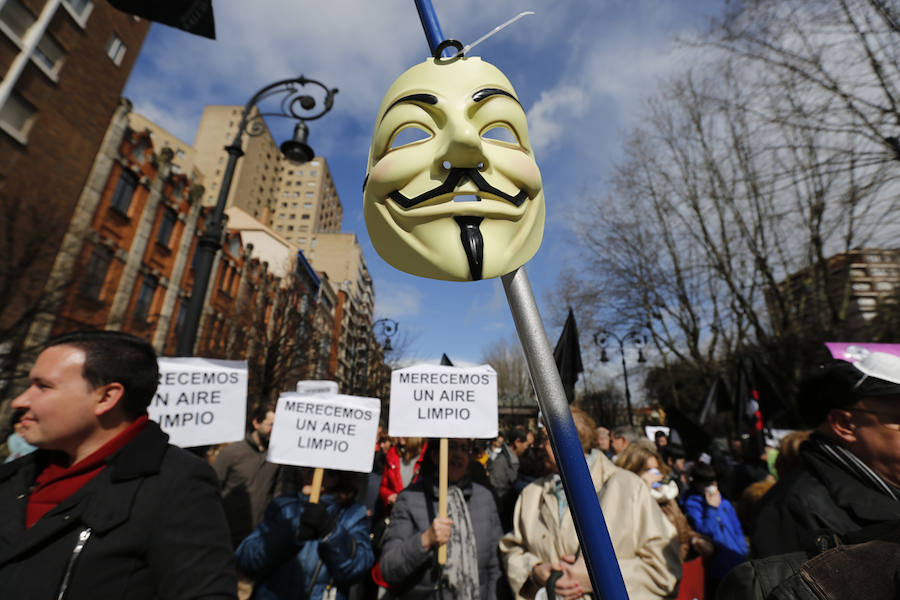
x: 772, y: 154
x: 514, y: 387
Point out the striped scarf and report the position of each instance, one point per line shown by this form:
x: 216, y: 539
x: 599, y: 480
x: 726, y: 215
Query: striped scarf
x: 850, y: 463
x: 461, y: 569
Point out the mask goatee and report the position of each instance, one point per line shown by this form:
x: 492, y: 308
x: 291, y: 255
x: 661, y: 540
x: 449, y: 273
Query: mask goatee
x: 473, y: 243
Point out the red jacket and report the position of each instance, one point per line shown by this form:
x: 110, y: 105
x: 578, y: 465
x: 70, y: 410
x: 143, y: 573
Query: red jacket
x: 391, y: 479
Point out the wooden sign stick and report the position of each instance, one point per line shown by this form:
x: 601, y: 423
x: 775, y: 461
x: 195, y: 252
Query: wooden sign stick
x: 442, y: 495
x: 316, y: 485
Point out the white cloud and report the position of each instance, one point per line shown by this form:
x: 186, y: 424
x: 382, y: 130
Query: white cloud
x: 550, y: 117
x: 397, y: 300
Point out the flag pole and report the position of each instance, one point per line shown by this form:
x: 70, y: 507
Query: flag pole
x: 600, y: 557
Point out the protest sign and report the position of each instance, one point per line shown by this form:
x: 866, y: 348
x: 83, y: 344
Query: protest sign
x: 325, y: 431
x: 439, y: 401
x: 201, y: 401
x: 314, y: 387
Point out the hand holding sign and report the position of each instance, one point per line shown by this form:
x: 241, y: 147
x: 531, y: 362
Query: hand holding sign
x: 443, y: 402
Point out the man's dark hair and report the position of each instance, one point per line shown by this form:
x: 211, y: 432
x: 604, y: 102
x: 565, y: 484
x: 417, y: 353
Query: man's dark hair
x: 673, y: 451
x: 259, y: 413
x: 660, y: 433
x: 116, y: 357
x: 702, y: 474
x: 516, y: 434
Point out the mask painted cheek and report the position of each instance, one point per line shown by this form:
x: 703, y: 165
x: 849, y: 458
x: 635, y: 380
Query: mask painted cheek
x: 521, y: 169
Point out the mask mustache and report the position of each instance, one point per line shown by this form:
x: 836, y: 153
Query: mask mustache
x: 454, y: 178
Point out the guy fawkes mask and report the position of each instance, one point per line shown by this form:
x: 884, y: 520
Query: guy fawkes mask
x: 452, y: 188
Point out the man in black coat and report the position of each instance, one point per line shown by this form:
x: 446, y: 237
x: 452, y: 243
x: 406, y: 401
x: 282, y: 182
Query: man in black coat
x: 850, y: 472
x: 106, y: 508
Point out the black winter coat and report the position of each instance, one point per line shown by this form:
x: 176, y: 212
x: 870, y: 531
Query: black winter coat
x: 817, y: 497
x: 150, y: 525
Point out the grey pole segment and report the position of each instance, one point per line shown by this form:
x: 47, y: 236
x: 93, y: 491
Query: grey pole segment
x: 600, y: 557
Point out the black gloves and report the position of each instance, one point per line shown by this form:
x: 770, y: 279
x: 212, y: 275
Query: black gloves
x: 315, y: 523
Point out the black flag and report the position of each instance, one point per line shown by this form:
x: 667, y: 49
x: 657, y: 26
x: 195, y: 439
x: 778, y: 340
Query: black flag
x: 747, y: 414
x: 445, y: 361
x: 567, y: 355
x: 716, y: 402
x: 693, y: 437
x: 193, y: 16
x: 771, y: 404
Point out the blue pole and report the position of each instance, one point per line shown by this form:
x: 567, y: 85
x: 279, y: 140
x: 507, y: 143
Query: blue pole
x: 430, y: 24
x: 599, y: 555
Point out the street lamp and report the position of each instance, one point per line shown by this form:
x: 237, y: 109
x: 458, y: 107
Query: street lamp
x: 293, y: 102
x: 385, y: 328
x: 638, y: 340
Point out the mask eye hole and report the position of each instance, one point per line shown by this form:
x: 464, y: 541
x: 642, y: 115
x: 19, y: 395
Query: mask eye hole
x: 409, y: 135
x: 500, y: 133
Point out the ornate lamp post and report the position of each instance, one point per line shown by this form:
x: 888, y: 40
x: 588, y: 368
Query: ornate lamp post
x: 635, y: 338
x: 295, y: 104
x: 385, y: 328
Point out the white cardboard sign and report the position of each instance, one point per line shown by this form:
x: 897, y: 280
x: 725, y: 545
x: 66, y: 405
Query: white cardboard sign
x: 314, y: 387
x: 443, y: 402
x: 326, y: 431
x: 201, y: 401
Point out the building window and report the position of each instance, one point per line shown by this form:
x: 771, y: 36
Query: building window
x: 121, y: 198
x: 304, y: 217
x: 145, y: 298
x: 95, y: 272
x: 313, y: 173
x: 115, y: 49
x: 166, y: 226
x: 313, y: 163
x: 307, y: 205
x: 310, y: 194
x: 80, y: 9
x: 296, y: 194
x: 49, y: 55
x: 17, y: 116
x: 15, y: 19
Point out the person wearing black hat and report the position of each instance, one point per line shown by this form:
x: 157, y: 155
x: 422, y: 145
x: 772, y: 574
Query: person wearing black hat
x: 849, y: 477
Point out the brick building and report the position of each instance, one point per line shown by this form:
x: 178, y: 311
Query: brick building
x: 63, y: 64
x: 126, y: 262
x: 853, y: 287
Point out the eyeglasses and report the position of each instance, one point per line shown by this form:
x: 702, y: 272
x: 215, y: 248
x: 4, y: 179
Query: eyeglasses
x: 891, y: 421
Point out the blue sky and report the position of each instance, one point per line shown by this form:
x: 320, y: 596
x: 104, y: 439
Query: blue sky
x: 581, y: 70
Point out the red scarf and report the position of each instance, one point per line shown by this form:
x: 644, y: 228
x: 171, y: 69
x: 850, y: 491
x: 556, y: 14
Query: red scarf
x: 57, y: 482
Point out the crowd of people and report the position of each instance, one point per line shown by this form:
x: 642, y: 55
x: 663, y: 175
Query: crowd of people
x: 96, y: 504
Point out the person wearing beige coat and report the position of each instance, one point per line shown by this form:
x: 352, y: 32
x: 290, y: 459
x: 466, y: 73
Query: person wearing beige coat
x: 645, y: 542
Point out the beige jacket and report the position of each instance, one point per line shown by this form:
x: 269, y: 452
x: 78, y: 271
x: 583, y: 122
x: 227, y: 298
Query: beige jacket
x: 645, y: 542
